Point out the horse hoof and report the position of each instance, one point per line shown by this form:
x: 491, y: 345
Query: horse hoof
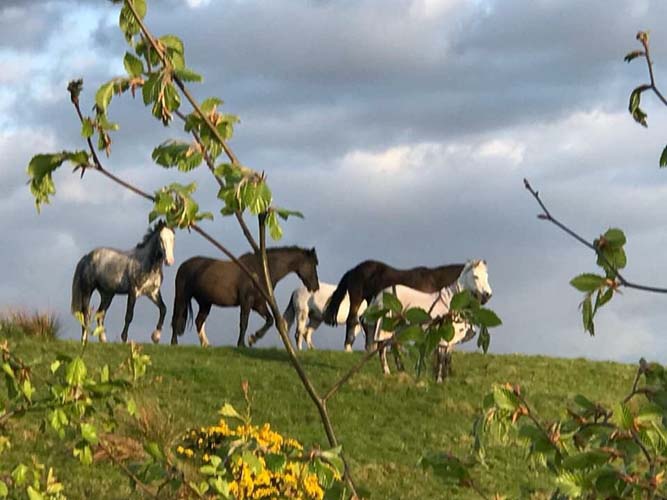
x: 348, y: 348
x: 252, y: 340
x: 155, y: 336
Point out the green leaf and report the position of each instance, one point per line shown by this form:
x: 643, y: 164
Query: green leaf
x: 209, y: 104
x: 484, y: 339
x: 275, y: 462
x: 103, y: 96
x: 585, y: 460
x: 20, y: 474
x: 172, y: 42
x: 252, y: 461
x: 34, y: 494
x: 187, y: 75
x: 273, y: 224
x: 602, y: 298
x: 623, y: 417
x: 228, y: 411
x: 615, y: 237
x: 284, y: 213
x: 412, y: 333
x: 87, y: 128
x: 4, y: 490
x: 587, y: 315
x: 133, y: 65
x: 183, y: 155
x: 391, y: 302
x: 588, y: 282
x: 461, y: 300
x: 486, y: 317
x: 131, y: 406
x: 76, y: 372
x: 154, y: 450
x: 504, y: 398
x: 584, y: 402
x: 632, y: 55
x: 417, y: 315
x: 89, y: 433
x: 663, y: 157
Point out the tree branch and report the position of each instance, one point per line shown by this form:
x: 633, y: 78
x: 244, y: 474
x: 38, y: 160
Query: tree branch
x: 546, y: 215
x: 127, y: 471
x: 643, y: 39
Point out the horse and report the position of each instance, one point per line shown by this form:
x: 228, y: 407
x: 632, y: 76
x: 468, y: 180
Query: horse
x: 223, y: 283
x: 308, y: 307
x: 367, y: 279
x: 473, y: 277
x: 133, y: 273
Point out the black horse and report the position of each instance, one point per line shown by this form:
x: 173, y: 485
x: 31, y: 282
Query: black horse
x: 133, y: 273
x: 223, y: 283
x: 369, y: 278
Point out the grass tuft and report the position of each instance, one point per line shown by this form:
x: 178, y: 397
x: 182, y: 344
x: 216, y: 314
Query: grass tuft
x: 36, y: 324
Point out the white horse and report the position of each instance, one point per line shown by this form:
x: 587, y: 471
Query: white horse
x: 307, y: 308
x: 474, y: 277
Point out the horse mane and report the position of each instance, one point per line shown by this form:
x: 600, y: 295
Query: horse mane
x: 152, y: 230
x: 294, y: 248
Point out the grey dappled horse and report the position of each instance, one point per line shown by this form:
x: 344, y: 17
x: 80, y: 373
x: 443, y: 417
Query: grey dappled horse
x: 133, y: 273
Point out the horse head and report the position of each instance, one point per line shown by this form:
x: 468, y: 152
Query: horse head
x: 166, y: 247
x: 475, y: 278
x: 307, y: 270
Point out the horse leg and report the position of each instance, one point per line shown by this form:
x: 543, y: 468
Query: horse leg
x: 200, y: 320
x: 264, y: 312
x: 157, y: 300
x: 383, y: 360
x: 310, y: 329
x: 85, y: 306
x: 243, y: 324
x: 441, y: 364
x: 395, y: 349
x: 129, y: 314
x: 105, y: 302
x: 301, y: 328
x: 352, y: 323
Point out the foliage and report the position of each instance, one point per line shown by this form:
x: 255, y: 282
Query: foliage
x: 248, y: 461
x: 414, y: 328
x: 610, y: 257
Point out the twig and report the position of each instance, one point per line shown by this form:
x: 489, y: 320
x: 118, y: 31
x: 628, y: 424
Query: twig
x: 211, y: 166
x: 546, y: 215
x: 127, y: 471
x: 643, y: 39
x: 352, y: 371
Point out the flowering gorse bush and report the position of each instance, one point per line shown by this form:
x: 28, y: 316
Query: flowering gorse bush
x: 246, y: 461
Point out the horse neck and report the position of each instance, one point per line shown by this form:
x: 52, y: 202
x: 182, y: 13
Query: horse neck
x: 145, y: 254
x: 446, y: 293
x: 281, y: 263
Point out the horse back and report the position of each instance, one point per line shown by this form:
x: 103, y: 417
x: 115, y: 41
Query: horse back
x: 211, y: 280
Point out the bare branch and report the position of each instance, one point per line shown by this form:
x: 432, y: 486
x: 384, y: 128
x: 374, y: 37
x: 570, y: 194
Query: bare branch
x: 546, y: 215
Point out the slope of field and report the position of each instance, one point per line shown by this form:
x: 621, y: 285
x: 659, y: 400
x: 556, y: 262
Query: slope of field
x: 384, y: 423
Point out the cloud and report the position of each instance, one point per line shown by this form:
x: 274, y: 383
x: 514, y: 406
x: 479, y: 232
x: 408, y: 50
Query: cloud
x: 402, y: 129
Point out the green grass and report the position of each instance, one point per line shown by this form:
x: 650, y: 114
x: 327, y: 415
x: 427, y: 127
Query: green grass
x: 384, y: 423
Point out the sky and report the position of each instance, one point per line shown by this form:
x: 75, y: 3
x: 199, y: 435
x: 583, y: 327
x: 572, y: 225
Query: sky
x: 402, y: 129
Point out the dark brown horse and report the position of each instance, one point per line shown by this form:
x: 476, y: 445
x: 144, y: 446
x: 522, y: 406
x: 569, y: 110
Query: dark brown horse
x: 223, y: 283
x: 369, y: 278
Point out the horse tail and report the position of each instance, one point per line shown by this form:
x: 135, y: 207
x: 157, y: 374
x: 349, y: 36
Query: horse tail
x: 330, y: 315
x: 182, y: 304
x: 290, y: 312
x: 80, y: 290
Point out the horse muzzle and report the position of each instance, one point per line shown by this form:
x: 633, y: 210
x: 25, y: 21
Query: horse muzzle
x: 484, y: 298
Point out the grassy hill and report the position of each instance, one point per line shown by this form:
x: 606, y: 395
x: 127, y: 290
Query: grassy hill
x: 384, y: 423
